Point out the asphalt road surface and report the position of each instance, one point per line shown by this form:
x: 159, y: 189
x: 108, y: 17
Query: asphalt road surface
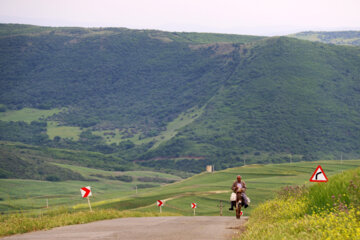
x: 148, y: 228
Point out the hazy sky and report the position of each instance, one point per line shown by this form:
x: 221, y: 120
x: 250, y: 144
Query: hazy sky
x: 260, y: 17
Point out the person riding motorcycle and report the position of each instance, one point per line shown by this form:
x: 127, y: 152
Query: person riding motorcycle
x: 239, y: 187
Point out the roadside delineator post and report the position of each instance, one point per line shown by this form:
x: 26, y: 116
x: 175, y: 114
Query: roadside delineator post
x: 86, y: 193
x: 193, y: 206
x: 89, y: 204
x: 160, y: 203
x: 221, y: 208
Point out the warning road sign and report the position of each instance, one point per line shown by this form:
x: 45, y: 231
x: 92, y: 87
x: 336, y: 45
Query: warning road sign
x: 85, y: 192
x: 319, y: 175
x: 160, y: 203
x: 193, y: 205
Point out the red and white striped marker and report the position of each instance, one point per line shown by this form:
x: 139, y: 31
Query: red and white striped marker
x: 193, y: 206
x: 86, y: 193
x: 160, y: 203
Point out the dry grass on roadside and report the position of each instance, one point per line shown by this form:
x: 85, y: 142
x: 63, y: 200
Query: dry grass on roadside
x: 19, y: 223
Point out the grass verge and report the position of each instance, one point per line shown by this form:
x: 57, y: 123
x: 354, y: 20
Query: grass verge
x: 21, y: 223
x: 323, y: 211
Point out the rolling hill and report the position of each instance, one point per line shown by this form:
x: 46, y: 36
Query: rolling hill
x: 178, y: 101
x: 285, y: 96
x: 340, y: 37
x: 206, y: 189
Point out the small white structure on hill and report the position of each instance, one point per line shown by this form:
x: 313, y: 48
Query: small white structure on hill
x: 210, y: 168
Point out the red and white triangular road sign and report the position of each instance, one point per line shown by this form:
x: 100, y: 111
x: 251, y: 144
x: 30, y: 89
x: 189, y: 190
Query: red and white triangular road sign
x: 319, y: 175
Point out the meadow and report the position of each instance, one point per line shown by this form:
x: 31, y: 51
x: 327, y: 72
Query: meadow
x: 54, y: 128
x: 31, y: 196
x: 24, y: 201
x: 206, y: 189
x: 322, y: 211
x: 28, y: 114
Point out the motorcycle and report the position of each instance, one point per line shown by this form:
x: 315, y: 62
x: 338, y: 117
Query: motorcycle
x: 238, y: 204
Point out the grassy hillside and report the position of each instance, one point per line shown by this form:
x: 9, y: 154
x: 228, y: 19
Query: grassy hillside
x: 18, y: 164
x: 340, y: 38
x: 28, y: 114
x: 325, y: 211
x: 33, y: 162
x: 207, y: 189
x: 31, y: 195
x: 286, y: 96
x: 178, y: 101
x: 263, y: 181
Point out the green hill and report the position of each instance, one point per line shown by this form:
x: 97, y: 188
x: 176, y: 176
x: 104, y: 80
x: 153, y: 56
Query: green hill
x: 178, y: 101
x: 206, y: 189
x: 34, y: 162
x: 285, y: 96
x: 14, y: 164
x: 340, y: 37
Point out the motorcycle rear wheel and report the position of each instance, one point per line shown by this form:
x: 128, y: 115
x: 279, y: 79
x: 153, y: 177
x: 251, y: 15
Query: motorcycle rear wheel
x: 238, y: 210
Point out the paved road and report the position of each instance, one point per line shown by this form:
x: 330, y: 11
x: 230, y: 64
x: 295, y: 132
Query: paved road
x: 169, y: 228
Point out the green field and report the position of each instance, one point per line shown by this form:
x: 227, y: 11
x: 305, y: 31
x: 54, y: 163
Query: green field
x: 172, y: 128
x: 263, y: 181
x: 206, y: 189
x: 32, y: 114
x: 53, y: 130
x: 28, y: 114
x: 70, y: 132
x: 88, y: 172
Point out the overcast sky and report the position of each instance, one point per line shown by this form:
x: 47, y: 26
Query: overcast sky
x: 258, y: 17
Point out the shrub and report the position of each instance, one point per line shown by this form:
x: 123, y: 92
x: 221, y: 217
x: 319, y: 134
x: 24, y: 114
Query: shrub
x: 52, y: 178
